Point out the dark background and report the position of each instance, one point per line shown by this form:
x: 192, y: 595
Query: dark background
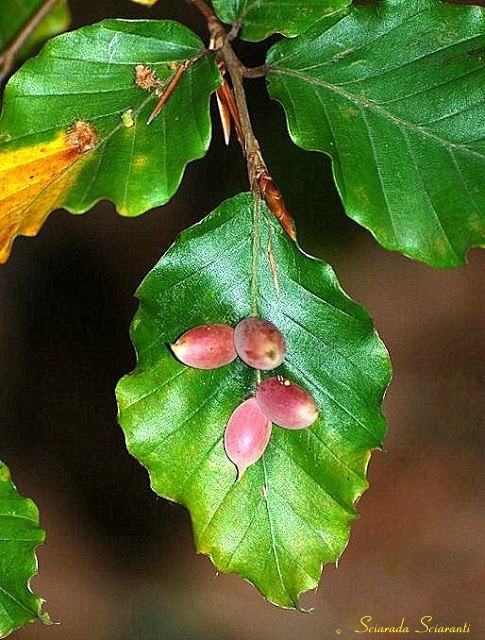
x: 119, y: 563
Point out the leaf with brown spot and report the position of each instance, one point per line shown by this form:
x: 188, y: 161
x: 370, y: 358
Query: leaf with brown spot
x: 65, y: 123
x: 34, y: 181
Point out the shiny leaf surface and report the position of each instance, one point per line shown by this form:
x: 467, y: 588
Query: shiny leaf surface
x: 394, y: 93
x: 260, y: 18
x: 19, y: 536
x: 73, y: 128
x: 292, y: 509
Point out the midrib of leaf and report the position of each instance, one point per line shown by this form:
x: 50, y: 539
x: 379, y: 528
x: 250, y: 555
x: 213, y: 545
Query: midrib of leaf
x: 256, y: 250
x: 272, y: 533
x: 375, y: 107
x: 255, y: 295
x: 19, y: 604
x: 255, y: 256
x: 428, y: 196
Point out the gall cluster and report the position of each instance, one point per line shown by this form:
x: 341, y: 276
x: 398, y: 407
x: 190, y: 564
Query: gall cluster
x: 260, y: 345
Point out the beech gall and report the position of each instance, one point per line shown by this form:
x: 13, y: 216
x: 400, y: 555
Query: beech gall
x: 259, y: 343
x: 207, y: 346
x: 286, y: 404
x: 247, y: 435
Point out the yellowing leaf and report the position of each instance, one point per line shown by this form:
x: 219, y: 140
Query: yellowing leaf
x: 148, y: 3
x: 35, y: 180
x: 108, y: 74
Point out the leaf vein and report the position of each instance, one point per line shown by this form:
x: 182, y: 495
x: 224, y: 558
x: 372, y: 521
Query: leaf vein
x: 380, y: 176
x: 428, y: 196
x: 314, y: 481
x: 310, y: 380
x: 273, y: 538
x: 374, y: 106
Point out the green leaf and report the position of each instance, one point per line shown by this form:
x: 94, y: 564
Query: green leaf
x: 394, y: 93
x: 260, y: 18
x: 96, y: 82
x: 292, y: 510
x: 19, y: 536
x: 15, y: 14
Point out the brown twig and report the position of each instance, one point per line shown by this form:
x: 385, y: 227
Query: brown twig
x: 204, y: 9
x: 221, y: 44
x: 262, y: 184
x: 165, y: 93
x: 7, y: 58
x: 255, y: 72
x: 260, y: 179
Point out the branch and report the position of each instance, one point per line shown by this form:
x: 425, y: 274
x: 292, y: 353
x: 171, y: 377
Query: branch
x: 255, y: 72
x: 7, y: 58
x: 262, y: 184
x: 204, y: 9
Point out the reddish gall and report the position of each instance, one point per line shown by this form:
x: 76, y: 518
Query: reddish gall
x: 259, y: 343
x: 207, y: 346
x: 247, y: 435
x: 286, y: 404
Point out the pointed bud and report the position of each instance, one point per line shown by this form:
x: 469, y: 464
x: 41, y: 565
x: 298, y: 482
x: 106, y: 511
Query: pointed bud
x: 206, y: 347
x: 286, y: 404
x: 259, y: 343
x: 247, y: 435
x: 224, y: 114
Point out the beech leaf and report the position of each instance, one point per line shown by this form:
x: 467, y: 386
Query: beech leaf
x: 261, y: 18
x: 19, y: 536
x: 74, y: 122
x: 292, y: 509
x: 393, y: 92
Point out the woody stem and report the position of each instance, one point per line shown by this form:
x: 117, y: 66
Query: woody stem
x: 260, y: 180
x: 237, y: 72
